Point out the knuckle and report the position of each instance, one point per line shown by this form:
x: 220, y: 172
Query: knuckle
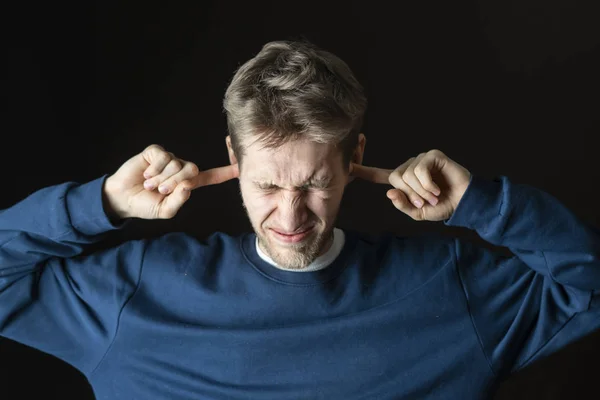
x: 154, y: 147
x: 175, y: 164
x: 154, y: 151
x: 436, y: 153
x: 159, y: 161
x: 172, y: 182
x: 420, y: 169
x: 395, y: 178
x: 192, y: 168
x: 164, y: 156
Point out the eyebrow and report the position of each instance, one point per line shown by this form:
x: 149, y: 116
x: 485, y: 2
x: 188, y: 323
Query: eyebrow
x: 319, y: 182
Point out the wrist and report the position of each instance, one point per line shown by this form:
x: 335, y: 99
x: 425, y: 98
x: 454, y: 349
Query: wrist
x: 110, y: 201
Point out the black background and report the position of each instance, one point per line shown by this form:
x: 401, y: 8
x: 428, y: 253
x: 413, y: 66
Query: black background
x: 504, y: 88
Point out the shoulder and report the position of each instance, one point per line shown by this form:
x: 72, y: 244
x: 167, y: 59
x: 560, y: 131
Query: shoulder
x: 180, y: 249
x: 413, y: 260
x: 421, y: 247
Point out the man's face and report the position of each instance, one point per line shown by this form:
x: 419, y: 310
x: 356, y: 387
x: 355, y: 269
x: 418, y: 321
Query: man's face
x: 292, y: 196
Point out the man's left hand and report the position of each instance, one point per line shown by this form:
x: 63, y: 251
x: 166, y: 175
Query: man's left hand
x: 426, y: 188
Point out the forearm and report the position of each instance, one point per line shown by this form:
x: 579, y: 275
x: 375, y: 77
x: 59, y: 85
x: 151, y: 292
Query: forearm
x: 57, y: 221
x: 51, y: 298
x: 536, y: 227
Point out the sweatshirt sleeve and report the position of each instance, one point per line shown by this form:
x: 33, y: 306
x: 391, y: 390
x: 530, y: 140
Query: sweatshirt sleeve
x: 52, y: 297
x: 546, y: 293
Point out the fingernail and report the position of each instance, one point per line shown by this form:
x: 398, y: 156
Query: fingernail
x: 148, y: 185
x: 147, y: 175
x: 163, y: 189
x: 433, y: 201
x: 418, y: 203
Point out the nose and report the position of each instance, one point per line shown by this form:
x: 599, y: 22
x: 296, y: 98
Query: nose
x: 292, y: 211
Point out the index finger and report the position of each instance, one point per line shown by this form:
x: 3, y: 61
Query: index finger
x: 215, y: 176
x: 372, y: 174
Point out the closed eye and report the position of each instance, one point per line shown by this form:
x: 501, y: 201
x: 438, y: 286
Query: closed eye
x: 318, y: 185
x: 266, y: 186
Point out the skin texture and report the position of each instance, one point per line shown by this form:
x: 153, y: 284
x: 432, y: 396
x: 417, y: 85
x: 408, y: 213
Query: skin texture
x: 295, y: 187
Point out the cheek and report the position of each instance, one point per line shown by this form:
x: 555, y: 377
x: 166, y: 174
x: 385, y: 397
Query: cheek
x: 322, y: 204
x: 259, y: 205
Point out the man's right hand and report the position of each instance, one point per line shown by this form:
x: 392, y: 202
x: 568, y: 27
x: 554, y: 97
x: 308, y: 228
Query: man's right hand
x: 155, y: 184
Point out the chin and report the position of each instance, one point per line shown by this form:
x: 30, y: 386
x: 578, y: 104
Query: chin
x: 294, y: 255
x: 292, y: 260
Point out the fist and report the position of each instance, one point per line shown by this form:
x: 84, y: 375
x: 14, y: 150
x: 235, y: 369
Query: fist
x: 426, y: 188
x: 155, y: 184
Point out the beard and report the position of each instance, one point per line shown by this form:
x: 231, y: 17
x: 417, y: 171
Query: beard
x: 295, y: 256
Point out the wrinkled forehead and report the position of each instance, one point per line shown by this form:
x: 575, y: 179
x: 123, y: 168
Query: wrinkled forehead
x: 295, y: 161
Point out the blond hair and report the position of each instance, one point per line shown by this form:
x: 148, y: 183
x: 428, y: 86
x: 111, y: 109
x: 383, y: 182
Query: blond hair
x: 294, y: 90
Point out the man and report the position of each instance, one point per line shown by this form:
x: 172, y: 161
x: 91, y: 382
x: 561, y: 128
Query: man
x: 297, y: 309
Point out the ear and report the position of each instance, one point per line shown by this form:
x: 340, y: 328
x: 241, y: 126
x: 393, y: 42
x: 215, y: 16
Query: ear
x: 357, y: 157
x: 232, y: 157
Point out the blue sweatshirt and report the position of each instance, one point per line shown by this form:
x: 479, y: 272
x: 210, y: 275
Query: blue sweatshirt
x: 174, y: 317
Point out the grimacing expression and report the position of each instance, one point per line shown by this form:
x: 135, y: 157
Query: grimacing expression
x: 292, y: 196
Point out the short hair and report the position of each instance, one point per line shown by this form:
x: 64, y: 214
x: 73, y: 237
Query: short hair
x: 294, y: 90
